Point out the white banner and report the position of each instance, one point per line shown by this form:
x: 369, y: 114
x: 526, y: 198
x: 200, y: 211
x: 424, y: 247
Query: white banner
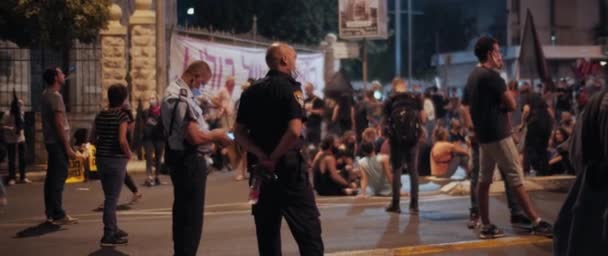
x: 240, y: 62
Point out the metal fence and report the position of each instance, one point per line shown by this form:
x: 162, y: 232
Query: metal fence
x: 21, y: 70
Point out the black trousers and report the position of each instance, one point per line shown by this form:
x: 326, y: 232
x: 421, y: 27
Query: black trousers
x: 404, y: 156
x: 290, y: 197
x: 56, y: 173
x: 15, y: 149
x: 535, y: 150
x: 189, y: 181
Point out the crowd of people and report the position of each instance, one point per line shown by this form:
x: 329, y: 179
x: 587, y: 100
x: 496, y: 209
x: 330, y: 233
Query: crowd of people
x: 353, y: 144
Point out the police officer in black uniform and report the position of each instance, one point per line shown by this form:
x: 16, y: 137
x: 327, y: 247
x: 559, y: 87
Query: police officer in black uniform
x: 269, y: 124
x: 189, y: 142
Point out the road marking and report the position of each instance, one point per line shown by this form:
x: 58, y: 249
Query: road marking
x: 449, y: 247
x: 242, y: 208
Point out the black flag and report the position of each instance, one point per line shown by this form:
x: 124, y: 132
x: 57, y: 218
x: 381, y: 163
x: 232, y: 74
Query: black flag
x: 532, y: 60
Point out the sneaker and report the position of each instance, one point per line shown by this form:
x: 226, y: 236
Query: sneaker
x: 135, y: 198
x: 543, y: 228
x: 67, y: 220
x: 121, y: 233
x: 12, y: 182
x: 520, y: 219
x: 157, y: 181
x: 414, y: 211
x: 473, y: 221
x: 490, y: 232
x: 149, y: 183
x: 393, y: 209
x: 113, y: 241
x: 25, y: 181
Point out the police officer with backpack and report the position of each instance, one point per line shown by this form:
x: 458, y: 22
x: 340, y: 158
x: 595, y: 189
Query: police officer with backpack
x: 403, y: 119
x: 268, y: 126
x: 189, y: 142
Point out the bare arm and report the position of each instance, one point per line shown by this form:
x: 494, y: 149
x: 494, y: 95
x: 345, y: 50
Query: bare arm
x: 423, y: 117
x: 363, y: 182
x: 466, y: 117
x: 524, y: 115
x: 508, y: 101
x: 290, y: 137
x: 334, y: 116
x: 333, y: 172
x: 386, y: 167
x: 242, y: 138
x: 60, y: 128
x: 555, y: 160
x: 460, y: 150
x: 122, y: 139
x: 195, y: 136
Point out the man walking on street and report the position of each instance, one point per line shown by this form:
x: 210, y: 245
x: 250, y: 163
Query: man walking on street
x: 489, y: 103
x: 269, y: 124
x: 56, y: 131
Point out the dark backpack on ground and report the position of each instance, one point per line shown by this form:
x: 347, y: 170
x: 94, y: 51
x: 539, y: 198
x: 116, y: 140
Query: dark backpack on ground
x: 403, y: 120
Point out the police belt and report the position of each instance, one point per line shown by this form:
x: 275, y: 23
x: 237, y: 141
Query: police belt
x: 177, y: 157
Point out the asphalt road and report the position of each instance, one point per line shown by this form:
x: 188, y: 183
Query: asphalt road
x: 349, y: 224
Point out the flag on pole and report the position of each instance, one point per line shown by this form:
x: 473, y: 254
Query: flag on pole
x: 532, y: 62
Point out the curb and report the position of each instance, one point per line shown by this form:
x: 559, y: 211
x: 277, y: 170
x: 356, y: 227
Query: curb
x: 450, y: 247
x: 37, y: 173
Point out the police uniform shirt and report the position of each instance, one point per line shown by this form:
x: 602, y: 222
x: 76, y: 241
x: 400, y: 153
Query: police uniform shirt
x: 187, y: 111
x: 267, y: 107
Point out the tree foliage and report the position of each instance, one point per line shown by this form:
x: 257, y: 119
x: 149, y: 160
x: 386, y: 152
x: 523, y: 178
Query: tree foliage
x: 294, y: 21
x: 52, y: 23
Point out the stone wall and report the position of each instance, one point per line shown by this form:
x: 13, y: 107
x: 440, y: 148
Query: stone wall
x: 113, y: 63
x: 143, y: 63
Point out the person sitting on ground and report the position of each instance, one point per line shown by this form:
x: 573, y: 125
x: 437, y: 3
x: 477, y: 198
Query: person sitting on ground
x: 567, y: 121
x: 327, y: 179
x: 559, y: 162
x: 369, y: 135
x: 375, y: 172
x: 446, y: 157
x: 457, y: 132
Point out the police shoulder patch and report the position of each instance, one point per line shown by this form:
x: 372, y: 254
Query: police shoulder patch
x: 299, y: 97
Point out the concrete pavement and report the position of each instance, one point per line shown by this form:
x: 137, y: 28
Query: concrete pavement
x: 349, y: 224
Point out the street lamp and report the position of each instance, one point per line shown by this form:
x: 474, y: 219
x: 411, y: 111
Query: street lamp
x: 190, y: 13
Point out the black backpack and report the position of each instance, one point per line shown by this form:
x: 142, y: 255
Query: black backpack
x: 403, y: 120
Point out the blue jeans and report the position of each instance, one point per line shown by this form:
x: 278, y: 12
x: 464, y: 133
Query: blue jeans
x: 56, y: 173
x: 112, y: 173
